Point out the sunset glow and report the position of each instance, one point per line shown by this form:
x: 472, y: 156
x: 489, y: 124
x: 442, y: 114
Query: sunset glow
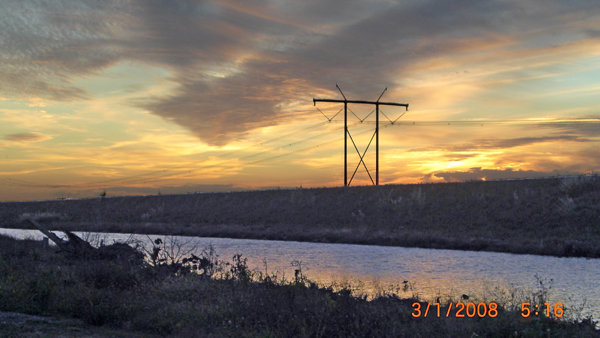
x: 143, y: 97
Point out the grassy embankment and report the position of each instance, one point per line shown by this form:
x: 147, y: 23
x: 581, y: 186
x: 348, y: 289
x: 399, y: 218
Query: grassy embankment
x: 132, y: 298
x: 553, y: 216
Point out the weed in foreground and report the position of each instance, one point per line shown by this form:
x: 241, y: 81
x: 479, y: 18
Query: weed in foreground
x: 233, y: 301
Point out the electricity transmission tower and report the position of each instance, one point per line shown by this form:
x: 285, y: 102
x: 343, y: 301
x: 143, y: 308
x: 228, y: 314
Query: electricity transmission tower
x: 347, y: 133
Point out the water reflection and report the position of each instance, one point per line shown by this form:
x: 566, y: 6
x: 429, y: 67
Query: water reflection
x: 432, y: 273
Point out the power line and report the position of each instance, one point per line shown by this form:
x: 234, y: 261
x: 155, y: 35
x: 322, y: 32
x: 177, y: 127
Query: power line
x: 377, y: 104
x: 162, y: 174
x: 486, y: 122
x: 305, y: 149
x: 183, y: 169
x: 220, y: 164
x: 187, y: 165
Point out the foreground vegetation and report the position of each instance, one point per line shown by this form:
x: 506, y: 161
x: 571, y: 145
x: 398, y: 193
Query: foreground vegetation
x: 553, y: 216
x: 178, y: 296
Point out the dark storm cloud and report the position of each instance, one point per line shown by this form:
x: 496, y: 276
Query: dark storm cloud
x: 26, y: 137
x: 483, y: 144
x: 267, y: 53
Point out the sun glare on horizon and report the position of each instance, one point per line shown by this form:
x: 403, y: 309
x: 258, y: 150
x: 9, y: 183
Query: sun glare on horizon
x: 131, y: 101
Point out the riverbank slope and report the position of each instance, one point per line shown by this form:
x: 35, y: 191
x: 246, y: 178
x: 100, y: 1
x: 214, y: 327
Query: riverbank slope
x: 553, y: 216
x: 124, y: 296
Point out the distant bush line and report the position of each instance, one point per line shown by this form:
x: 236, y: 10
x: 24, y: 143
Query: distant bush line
x: 553, y: 216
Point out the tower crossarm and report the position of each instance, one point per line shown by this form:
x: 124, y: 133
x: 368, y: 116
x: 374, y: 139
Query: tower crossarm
x: 347, y: 133
x: 362, y: 102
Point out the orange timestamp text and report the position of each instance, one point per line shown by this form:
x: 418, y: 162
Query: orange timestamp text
x: 458, y: 310
x: 528, y: 309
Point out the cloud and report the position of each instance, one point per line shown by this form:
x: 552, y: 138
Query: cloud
x: 26, y: 137
x: 459, y: 157
x: 486, y: 144
x: 492, y: 174
x: 45, y: 45
x: 359, y: 56
x: 594, y: 33
x: 237, y: 64
x: 588, y: 127
x: 223, y: 107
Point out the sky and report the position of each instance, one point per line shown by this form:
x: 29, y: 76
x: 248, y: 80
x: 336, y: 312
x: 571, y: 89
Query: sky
x: 147, y: 97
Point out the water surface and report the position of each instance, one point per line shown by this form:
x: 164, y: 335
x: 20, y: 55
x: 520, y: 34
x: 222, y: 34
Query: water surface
x: 430, y: 272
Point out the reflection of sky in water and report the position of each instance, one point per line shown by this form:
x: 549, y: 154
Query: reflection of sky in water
x: 433, y: 272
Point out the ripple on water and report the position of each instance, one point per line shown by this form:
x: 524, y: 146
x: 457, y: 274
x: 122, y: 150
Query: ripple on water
x: 431, y: 272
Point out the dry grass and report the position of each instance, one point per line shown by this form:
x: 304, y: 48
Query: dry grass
x: 236, y: 302
x: 555, y: 216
